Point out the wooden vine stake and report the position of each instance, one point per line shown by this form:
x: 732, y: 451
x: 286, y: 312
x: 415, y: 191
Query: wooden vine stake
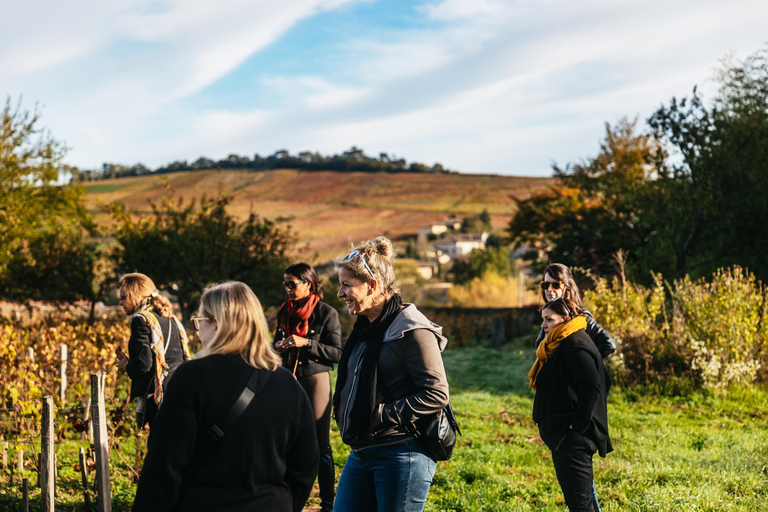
x: 84, y: 477
x: 47, y: 459
x: 63, y: 372
x: 101, y: 443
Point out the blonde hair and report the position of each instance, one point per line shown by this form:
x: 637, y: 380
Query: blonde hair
x: 379, y: 254
x: 242, y: 327
x: 138, y: 287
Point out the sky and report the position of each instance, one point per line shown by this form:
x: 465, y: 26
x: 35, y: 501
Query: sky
x: 480, y: 86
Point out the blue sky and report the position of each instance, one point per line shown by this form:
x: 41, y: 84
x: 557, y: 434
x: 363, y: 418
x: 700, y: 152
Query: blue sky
x: 481, y: 86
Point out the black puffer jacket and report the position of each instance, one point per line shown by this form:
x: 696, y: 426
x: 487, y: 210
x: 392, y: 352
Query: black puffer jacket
x: 603, y: 341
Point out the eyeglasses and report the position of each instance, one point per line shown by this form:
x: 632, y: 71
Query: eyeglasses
x: 291, y: 285
x: 556, y: 285
x: 197, y: 319
x: 351, y: 255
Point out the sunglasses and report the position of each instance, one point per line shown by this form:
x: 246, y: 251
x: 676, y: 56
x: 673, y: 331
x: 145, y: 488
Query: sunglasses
x: 351, y: 255
x: 556, y: 285
x: 291, y: 285
x: 565, y: 304
x: 197, y: 319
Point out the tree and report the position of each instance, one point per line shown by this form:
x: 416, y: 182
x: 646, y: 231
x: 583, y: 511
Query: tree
x: 719, y: 181
x: 700, y: 210
x: 184, y: 247
x: 495, y: 260
x: 595, y: 207
x: 44, y: 251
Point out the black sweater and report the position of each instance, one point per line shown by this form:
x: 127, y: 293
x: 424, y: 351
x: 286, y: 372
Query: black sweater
x: 267, y: 459
x: 325, y: 333
x: 571, y: 393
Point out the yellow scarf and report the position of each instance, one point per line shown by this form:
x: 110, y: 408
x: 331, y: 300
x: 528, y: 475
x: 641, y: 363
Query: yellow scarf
x: 551, y: 343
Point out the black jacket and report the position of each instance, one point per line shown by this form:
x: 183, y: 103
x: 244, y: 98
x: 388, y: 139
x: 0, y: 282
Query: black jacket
x: 571, y: 391
x: 603, y: 341
x: 325, y: 333
x: 267, y: 459
x: 141, y: 363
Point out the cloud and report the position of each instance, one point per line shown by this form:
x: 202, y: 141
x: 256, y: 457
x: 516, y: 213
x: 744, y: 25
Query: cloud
x: 479, y: 85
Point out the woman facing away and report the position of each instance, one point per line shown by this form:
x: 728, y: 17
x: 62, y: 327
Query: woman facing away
x: 157, y: 346
x: 204, y: 453
x: 309, y: 339
x: 390, y: 374
x: 570, y: 405
x: 558, y: 282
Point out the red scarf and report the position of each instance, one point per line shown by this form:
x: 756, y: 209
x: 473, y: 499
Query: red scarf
x: 294, y: 317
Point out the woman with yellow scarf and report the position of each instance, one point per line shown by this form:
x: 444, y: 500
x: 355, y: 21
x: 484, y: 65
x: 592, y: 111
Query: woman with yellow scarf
x: 570, y: 403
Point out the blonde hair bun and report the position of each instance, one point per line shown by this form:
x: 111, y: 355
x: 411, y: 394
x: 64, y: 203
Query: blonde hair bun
x: 384, y: 247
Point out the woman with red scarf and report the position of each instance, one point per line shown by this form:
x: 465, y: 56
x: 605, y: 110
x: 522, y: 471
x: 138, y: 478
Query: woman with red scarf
x: 308, y: 338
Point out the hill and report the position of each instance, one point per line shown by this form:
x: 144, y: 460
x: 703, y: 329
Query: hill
x: 329, y: 210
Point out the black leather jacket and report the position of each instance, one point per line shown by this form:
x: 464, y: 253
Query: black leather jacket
x: 603, y: 341
x: 325, y: 333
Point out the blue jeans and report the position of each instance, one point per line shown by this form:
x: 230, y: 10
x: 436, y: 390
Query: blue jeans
x: 392, y: 478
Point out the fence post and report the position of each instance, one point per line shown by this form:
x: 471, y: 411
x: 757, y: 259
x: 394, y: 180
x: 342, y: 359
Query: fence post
x: 139, y: 443
x: 47, y: 460
x: 20, y: 454
x: 86, y: 420
x: 25, y: 495
x: 5, y: 454
x: 63, y: 372
x: 84, y: 477
x: 31, y: 354
x: 101, y: 444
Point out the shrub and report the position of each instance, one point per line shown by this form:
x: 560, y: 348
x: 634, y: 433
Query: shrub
x: 710, y: 333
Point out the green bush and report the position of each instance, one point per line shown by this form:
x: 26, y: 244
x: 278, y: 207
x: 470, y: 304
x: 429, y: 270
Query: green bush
x: 687, y: 333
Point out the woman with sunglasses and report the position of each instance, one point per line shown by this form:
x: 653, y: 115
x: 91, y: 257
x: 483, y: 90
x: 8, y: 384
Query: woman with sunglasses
x: 390, y: 374
x: 558, y: 282
x: 570, y: 403
x: 236, y: 431
x: 157, y: 346
x: 308, y: 338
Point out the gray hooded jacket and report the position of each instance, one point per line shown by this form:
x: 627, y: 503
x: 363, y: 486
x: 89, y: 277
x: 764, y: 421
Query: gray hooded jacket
x: 411, y: 379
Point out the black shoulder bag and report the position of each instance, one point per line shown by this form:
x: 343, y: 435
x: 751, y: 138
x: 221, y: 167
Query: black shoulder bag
x: 437, y: 432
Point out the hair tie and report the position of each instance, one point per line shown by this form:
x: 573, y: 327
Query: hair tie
x: 154, y: 294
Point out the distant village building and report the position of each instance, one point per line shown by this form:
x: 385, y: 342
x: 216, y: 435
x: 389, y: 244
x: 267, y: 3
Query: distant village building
x: 456, y: 246
x: 433, y: 230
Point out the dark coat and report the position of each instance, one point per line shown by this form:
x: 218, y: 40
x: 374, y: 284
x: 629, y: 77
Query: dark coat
x: 571, y: 391
x: 325, y: 333
x: 267, y: 459
x: 603, y: 341
x: 141, y: 363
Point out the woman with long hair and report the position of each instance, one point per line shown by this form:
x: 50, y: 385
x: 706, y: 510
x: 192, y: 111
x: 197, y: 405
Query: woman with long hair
x: 558, y: 282
x: 391, y: 374
x: 570, y: 405
x: 157, y: 346
x: 236, y: 431
x: 309, y: 339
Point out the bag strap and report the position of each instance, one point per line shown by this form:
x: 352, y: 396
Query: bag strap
x: 252, y: 388
x: 452, y: 418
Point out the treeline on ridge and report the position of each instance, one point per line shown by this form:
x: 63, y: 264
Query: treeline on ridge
x: 353, y: 159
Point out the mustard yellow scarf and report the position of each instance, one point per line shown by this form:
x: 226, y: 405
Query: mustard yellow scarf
x: 551, y: 343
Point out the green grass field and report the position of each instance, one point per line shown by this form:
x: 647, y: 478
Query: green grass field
x: 701, y: 452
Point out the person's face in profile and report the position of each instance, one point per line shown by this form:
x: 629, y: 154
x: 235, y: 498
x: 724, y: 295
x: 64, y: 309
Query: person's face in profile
x: 206, y: 327
x: 550, y: 320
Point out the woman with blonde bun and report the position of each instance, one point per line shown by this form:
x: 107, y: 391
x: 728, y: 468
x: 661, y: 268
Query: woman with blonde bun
x: 391, y: 374
x: 157, y: 346
x: 201, y: 456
